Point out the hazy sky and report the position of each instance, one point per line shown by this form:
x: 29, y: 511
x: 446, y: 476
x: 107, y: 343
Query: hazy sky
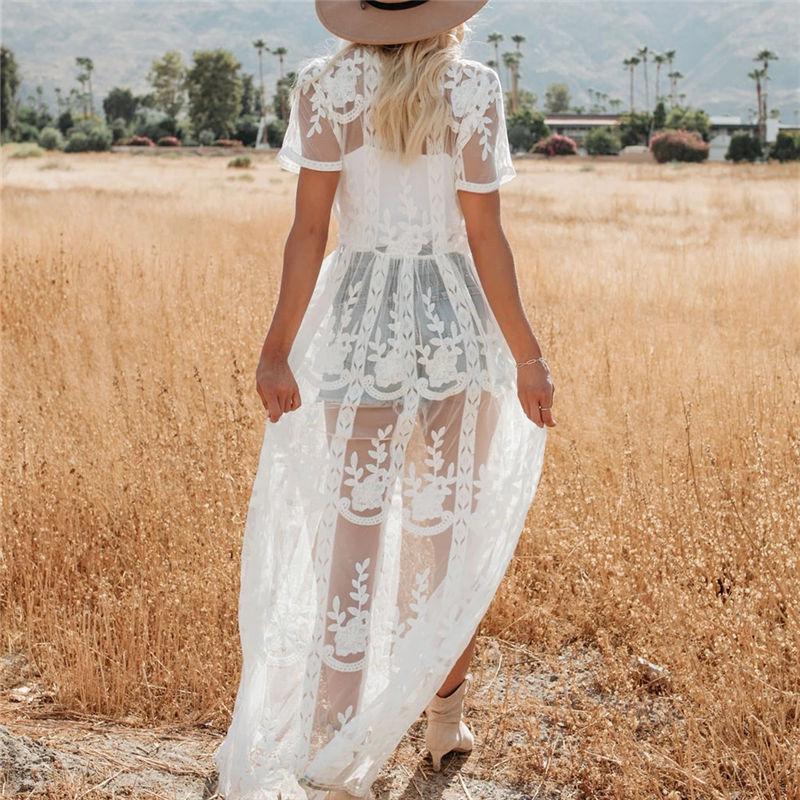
x: 578, y: 43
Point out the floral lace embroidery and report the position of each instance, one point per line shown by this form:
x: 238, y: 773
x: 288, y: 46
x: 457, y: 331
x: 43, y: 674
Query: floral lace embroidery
x: 350, y: 635
x: 367, y: 484
x: 426, y: 493
x: 440, y: 357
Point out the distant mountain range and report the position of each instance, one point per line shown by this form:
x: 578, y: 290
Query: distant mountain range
x: 581, y: 44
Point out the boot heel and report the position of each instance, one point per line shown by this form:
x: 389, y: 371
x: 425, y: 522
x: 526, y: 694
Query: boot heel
x: 447, y: 732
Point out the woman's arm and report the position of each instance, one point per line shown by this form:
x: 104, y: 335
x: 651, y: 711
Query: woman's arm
x: 495, y: 264
x: 302, y: 257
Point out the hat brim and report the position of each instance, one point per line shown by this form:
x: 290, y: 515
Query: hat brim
x: 370, y: 25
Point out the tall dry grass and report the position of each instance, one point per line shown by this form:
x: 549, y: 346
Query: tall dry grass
x: 136, y: 294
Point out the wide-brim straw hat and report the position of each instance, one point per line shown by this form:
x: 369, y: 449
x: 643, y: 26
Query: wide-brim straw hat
x: 393, y: 21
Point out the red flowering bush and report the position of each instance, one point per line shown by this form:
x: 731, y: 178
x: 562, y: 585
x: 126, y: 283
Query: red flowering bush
x: 680, y: 145
x: 556, y: 145
x: 140, y: 141
x: 169, y: 141
x: 228, y: 143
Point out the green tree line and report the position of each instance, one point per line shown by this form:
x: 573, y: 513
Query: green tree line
x: 210, y: 100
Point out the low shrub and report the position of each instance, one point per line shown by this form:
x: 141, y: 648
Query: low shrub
x: 228, y: 143
x: 78, y: 142
x: 240, y: 162
x: 688, y: 119
x: 556, y: 145
x: 55, y: 165
x: 525, y: 128
x: 669, y: 145
x: 744, y: 147
x: 27, y: 132
x: 100, y: 138
x: 169, y: 141
x: 634, y: 128
x: 51, y: 139
x: 155, y: 124
x: 27, y: 150
x: 88, y: 135
x: 140, y: 141
x: 247, y: 129
x: 119, y: 130
x: 206, y: 137
x: 602, y: 142
x: 786, y: 147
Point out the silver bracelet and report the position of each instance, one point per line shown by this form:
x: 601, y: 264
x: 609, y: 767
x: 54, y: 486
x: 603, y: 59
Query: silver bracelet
x: 539, y: 360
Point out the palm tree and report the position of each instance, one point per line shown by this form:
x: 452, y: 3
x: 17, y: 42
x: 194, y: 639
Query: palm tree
x: 615, y: 103
x: 670, y: 56
x: 511, y: 60
x: 260, y: 46
x: 280, y: 52
x: 764, y: 56
x: 660, y: 59
x: 598, y: 101
x: 75, y: 98
x: 757, y: 75
x: 492, y: 63
x: 630, y: 65
x: 674, y: 77
x: 85, y: 79
x: 642, y: 54
x: 518, y: 39
x: 495, y: 39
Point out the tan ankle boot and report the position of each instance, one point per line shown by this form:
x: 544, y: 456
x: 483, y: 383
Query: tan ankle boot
x: 446, y: 729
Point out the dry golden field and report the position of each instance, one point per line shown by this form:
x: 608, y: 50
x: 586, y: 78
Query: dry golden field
x: 136, y: 293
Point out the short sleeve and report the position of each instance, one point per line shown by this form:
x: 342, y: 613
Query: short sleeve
x: 483, y: 155
x: 313, y: 137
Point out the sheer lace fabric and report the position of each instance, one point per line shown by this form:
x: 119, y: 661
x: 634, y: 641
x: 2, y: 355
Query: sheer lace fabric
x: 385, y: 510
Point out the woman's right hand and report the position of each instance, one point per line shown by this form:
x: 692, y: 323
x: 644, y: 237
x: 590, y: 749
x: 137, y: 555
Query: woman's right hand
x: 535, y: 390
x: 276, y: 386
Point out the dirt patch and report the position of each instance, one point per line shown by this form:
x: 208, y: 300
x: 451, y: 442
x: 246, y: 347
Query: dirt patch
x: 110, y: 761
x: 517, y: 708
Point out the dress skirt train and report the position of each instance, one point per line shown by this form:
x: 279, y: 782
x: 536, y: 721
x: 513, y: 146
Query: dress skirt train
x: 384, y: 513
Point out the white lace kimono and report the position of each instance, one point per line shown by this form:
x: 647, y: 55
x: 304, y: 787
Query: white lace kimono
x: 386, y: 509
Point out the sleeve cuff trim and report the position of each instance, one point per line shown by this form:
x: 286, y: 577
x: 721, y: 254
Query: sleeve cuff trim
x: 467, y: 186
x: 292, y: 161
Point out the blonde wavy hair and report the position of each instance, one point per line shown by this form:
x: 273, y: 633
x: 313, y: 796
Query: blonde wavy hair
x: 409, y: 107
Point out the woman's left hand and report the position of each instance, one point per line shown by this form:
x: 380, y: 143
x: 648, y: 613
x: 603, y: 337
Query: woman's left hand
x: 277, y: 387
